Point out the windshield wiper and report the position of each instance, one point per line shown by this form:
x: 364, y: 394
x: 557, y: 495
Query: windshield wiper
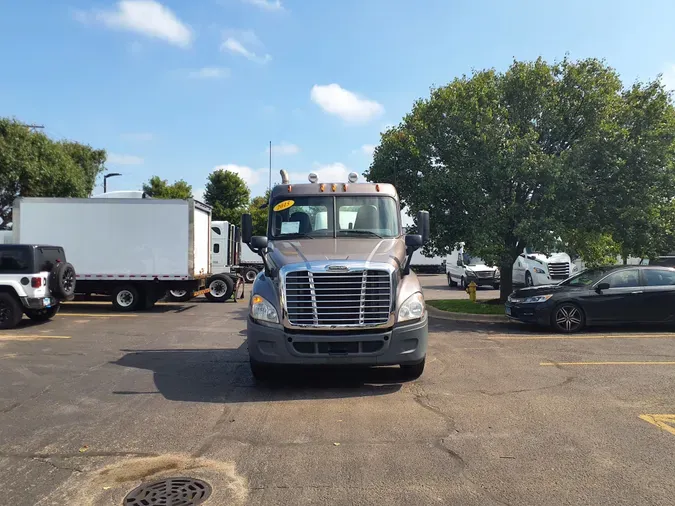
x: 360, y: 232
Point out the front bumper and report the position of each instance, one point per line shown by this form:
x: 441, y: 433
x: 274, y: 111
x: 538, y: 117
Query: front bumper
x: 482, y: 281
x: 530, y: 313
x: 405, y: 344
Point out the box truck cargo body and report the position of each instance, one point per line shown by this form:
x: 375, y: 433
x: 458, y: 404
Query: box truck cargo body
x: 142, y: 247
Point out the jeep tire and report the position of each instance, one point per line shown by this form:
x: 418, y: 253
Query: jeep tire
x: 62, y: 281
x: 11, y: 311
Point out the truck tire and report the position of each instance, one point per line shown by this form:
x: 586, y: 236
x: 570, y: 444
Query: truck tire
x: 125, y: 298
x: 221, y: 288
x: 412, y: 371
x: 42, y: 315
x: 179, y: 295
x: 250, y: 273
x: 10, y: 311
x: 62, y: 280
x: 528, y: 279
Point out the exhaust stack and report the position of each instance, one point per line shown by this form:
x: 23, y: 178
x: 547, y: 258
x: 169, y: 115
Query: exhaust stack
x: 284, y: 177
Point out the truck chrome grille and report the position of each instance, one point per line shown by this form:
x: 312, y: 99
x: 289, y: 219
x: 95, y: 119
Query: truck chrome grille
x: 559, y: 270
x: 326, y: 299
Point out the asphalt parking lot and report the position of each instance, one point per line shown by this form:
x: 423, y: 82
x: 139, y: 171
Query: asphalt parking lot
x: 94, y: 402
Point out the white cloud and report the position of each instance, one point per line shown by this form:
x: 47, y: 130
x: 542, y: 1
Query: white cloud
x: 349, y: 106
x: 138, y: 136
x: 251, y: 176
x: 146, y: 17
x: 117, y: 159
x: 668, y: 77
x: 209, y: 73
x: 284, y: 149
x: 246, y: 44
x: 268, y: 5
x: 368, y: 149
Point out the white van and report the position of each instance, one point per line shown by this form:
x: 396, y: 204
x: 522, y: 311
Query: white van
x: 462, y: 268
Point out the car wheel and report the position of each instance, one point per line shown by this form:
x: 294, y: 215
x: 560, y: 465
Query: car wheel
x: 42, y: 315
x: 221, y: 288
x: 528, y: 279
x: 568, y: 318
x: 250, y: 273
x: 451, y: 283
x: 260, y: 371
x: 462, y: 283
x: 412, y: 371
x: 125, y: 298
x: 10, y: 311
x: 62, y: 280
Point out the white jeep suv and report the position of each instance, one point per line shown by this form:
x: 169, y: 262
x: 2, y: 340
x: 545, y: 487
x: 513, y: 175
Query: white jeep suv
x: 33, y: 281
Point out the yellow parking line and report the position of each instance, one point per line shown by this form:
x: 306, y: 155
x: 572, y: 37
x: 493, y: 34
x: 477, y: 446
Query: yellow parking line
x: 100, y: 315
x: 608, y: 363
x: 664, y: 422
x: 526, y: 337
x: 34, y: 337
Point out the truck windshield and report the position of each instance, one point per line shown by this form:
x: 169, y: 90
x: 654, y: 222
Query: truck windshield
x: 331, y: 216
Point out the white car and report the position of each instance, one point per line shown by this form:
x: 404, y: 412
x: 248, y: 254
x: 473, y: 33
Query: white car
x: 537, y: 269
x: 467, y: 269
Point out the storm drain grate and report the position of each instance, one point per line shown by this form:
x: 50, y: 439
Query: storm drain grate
x: 169, y: 492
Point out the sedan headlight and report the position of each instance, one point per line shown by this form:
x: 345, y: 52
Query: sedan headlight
x: 412, y: 308
x: 530, y: 300
x: 539, y: 271
x: 262, y: 310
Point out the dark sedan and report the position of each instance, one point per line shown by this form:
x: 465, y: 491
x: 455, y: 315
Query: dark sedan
x: 602, y: 296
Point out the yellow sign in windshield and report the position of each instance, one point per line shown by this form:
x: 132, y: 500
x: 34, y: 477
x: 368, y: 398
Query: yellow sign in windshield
x: 284, y: 205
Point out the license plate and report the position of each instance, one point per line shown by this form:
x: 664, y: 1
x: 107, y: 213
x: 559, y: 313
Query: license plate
x: 47, y: 301
x: 508, y: 311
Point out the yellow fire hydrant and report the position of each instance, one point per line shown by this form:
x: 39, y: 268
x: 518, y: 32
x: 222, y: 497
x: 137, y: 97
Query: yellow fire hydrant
x: 471, y: 290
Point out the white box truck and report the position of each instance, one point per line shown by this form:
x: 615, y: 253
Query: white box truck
x: 134, y: 250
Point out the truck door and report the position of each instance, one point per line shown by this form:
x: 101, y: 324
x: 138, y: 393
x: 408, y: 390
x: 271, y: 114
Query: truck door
x: 218, y: 248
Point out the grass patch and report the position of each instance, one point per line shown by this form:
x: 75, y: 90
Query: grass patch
x: 466, y: 306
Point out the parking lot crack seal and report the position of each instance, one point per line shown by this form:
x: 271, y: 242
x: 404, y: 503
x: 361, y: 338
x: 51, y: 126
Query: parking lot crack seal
x: 56, y: 465
x: 562, y: 383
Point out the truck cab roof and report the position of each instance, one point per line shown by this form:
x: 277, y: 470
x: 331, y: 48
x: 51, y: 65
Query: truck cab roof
x: 290, y: 189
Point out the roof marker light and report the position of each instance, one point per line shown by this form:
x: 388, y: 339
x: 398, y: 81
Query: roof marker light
x: 377, y: 187
x: 353, y: 177
x: 322, y: 187
x: 313, y: 177
x: 344, y: 187
x: 334, y: 186
x: 289, y: 188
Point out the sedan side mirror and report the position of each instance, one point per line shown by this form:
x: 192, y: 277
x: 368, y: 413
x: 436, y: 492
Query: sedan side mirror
x: 601, y: 287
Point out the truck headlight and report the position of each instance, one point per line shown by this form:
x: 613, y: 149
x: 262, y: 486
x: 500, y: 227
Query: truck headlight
x: 497, y: 273
x: 539, y: 271
x: 412, y: 308
x: 262, y: 310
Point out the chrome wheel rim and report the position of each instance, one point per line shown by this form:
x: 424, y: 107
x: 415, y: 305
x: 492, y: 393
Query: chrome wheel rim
x: 125, y: 298
x: 218, y: 288
x: 178, y: 293
x: 568, y: 318
x: 250, y: 276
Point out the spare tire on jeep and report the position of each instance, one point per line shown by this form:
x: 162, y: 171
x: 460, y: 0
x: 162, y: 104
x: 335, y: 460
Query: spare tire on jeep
x: 62, y: 280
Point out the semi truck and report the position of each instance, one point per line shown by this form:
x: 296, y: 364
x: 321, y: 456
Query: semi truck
x: 131, y: 249
x: 228, y: 253
x: 336, y: 286
x: 532, y: 268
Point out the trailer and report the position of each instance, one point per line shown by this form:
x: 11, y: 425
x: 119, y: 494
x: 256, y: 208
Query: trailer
x: 132, y: 249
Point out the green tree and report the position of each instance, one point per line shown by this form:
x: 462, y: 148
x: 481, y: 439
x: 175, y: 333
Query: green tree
x: 258, y: 210
x: 32, y: 165
x: 530, y: 156
x: 228, y: 195
x: 159, y: 188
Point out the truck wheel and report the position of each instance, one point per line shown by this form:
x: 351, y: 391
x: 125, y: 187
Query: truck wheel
x: 250, y: 273
x: 42, y: 315
x: 62, y: 280
x: 221, y: 288
x: 451, y: 283
x: 412, y: 371
x: 260, y: 371
x: 180, y: 295
x: 528, y: 279
x: 125, y: 298
x: 10, y: 311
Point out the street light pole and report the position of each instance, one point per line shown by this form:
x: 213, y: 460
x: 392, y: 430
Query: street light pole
x: 105, y: 180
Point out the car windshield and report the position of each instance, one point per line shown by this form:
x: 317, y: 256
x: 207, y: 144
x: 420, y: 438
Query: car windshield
x: 587, y: 277
x: 330, y: 216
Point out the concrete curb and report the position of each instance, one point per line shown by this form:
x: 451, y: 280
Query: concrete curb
x: 466, y: 317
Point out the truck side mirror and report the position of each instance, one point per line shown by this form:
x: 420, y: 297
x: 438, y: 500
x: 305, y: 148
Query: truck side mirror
x: 246, y: 228
x: 413, y: 242
x: 423, y: 225
x: 258, y: 242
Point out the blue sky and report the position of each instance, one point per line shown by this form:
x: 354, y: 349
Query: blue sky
x: 176, y: 88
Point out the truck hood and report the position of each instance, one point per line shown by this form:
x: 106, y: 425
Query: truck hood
x: 481, y: 268
x: 284, y: 252
x: 552, y: 258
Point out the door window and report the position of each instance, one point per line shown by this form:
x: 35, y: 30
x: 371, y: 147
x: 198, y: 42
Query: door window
x: 659, y: 277
x: 623, y: 279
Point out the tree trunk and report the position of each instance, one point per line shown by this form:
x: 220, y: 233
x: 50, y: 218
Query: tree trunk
x: 506, y: 282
